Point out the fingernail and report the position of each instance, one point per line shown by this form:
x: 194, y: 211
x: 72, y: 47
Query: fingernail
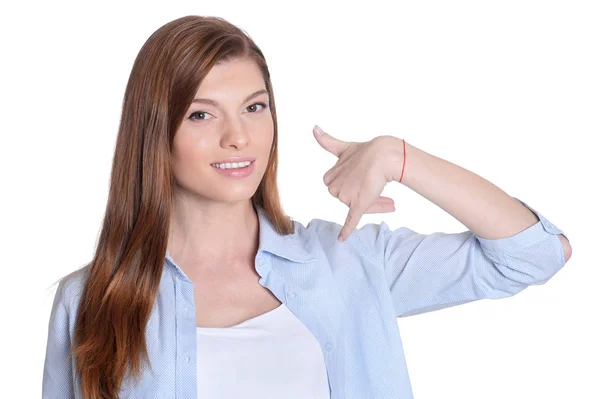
x: 318, y: 130
x: 340, y: 238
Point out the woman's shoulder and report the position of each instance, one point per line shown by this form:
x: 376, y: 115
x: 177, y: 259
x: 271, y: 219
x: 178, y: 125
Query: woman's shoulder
x: 370, y: 236
x: 71, y: 286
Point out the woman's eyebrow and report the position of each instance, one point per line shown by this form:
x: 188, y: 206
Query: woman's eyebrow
x: 216, y: 104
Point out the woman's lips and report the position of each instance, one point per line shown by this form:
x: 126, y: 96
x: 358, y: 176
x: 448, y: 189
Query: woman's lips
x: 236, y: 172
x: 236, y: 159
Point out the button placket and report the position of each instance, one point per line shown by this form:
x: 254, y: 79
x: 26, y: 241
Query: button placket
x: 328, y: 345
x: 315, y: 319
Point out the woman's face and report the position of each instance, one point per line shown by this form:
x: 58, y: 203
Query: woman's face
x: 233, y: 125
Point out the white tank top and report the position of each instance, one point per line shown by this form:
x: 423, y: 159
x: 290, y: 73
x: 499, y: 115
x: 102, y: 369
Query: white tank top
x: 272, y: 355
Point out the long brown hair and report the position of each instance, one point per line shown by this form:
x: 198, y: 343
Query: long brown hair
x: 125, y: 271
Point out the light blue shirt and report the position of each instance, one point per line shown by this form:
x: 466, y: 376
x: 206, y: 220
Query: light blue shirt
x: 347, y: 294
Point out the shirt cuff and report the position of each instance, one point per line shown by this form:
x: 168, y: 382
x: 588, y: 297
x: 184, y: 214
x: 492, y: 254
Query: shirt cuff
x: 532, y: 235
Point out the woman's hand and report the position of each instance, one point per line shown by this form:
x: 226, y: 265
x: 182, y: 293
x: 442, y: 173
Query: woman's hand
x: 360, y: 174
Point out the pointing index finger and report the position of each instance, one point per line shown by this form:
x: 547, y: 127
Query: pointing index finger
x: 354, y: 215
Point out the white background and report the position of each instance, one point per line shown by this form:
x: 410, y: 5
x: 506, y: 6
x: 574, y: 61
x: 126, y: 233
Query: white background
x: 509, y: 90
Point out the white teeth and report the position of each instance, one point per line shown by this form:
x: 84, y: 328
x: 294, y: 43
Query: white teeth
x: 231, y: 165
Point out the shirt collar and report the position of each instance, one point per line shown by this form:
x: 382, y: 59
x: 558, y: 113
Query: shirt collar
x: 285, y: 246
x: 269, y: 240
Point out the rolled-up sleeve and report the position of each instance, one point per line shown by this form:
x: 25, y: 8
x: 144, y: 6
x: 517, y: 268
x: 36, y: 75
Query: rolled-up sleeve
x: 427, y: 272
x: 58, y: 376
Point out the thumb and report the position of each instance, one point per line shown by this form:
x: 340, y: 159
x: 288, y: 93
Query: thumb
x: 329, y: 142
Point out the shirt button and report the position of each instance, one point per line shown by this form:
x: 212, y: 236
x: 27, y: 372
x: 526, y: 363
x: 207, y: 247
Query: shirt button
x: 187, y: 359
x: 291, y: 294
x: 329, y: 346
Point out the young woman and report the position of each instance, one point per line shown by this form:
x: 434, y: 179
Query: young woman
x: 202, y: 287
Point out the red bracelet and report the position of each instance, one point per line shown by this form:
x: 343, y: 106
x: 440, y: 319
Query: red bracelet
x: 403, y: 161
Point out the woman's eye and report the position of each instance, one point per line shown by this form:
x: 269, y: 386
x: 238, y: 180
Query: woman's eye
x: 262, y: 104
x: 198, y: 112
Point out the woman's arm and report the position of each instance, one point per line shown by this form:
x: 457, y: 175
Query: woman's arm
x: 481, y: 206
x: 58, y: 376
